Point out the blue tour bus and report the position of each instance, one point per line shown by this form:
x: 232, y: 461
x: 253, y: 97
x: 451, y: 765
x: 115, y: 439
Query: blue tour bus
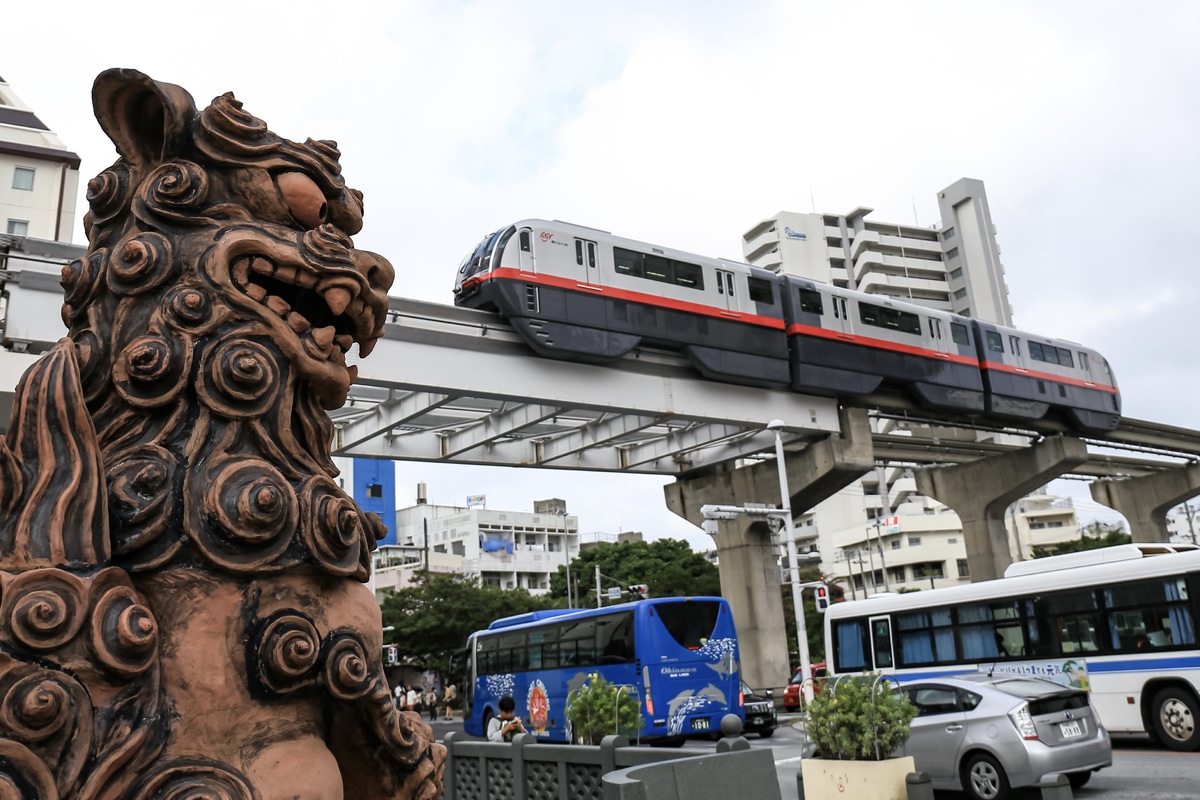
x: 678, y: 656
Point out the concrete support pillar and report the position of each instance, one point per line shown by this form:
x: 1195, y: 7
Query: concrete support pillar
x: 981, y: 491
x: 750, y: 582
x: 1145, y: 501
x: 750, y: 578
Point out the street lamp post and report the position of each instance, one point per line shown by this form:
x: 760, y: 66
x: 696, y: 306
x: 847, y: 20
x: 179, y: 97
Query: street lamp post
x: 793, y: 563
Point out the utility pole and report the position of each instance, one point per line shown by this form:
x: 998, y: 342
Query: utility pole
x: 871, y: 559
x: 599, y: 602
x: 886, y: 508
x: 567, y: 548
x: 850, y: 573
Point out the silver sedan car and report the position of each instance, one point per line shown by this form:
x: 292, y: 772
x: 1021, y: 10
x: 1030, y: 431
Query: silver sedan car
x: 985, y: 734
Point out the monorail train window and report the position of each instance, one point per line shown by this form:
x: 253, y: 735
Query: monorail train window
x: 526, y: 241
x: 761, y: 291
x: 958, y: 332
x: 579, y: 252
x: 1050, y: 354
x: 657, y: 268
x: 689, y: 275
x: 995, y: 342
x: 1014, y: 345
x: 891, y: 318
x: 1083, y: 362
x: 627, y: 262
x: 811, y: 301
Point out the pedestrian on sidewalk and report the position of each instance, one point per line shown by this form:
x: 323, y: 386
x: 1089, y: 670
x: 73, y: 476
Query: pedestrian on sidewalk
x: 431, y: 702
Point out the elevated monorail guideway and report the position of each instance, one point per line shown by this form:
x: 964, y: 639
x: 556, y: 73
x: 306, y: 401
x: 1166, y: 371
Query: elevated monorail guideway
x: 458, y: 386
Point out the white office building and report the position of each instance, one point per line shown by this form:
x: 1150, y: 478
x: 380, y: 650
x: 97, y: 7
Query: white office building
x: 508, y: 549
x: 953, y: 266
x: 39, y: 176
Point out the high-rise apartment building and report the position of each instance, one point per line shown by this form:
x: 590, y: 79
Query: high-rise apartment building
x: 880, y: 532
x: 39, y: 176
x: 954, y: 266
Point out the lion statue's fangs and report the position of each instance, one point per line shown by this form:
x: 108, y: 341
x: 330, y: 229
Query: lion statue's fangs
x: 181, y: 600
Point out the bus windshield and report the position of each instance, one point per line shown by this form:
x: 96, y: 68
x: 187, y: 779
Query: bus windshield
x: 677, y: 656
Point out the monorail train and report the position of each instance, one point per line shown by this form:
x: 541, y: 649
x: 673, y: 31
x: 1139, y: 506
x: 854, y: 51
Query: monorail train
x: 582, y: 294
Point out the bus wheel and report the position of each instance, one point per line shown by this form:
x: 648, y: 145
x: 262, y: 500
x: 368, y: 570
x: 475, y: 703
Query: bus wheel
x: 1175, y: 713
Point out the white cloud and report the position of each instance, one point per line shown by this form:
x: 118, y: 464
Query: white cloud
x: 684, y: 123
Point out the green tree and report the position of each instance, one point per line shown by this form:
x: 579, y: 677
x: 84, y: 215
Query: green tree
x: 668, y: 566
x: 433, y: 618
x: 1092, y: 536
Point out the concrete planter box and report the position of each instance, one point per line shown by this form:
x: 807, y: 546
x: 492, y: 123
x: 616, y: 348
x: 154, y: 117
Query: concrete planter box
x: 826, y: 779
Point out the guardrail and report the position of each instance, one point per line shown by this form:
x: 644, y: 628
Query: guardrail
x: 528, y: 770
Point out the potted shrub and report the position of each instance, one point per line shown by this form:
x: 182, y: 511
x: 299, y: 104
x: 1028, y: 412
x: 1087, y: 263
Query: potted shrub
x: 856, y: 724
x: 598, y: 709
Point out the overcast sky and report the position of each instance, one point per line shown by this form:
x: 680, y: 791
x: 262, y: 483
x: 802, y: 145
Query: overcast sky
x: 684, y: 123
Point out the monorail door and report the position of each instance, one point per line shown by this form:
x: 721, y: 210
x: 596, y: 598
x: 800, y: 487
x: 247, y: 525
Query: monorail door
x: 586, y: 269
x: 881, y: 643
x: 526, y: 261
x: 725, y: 289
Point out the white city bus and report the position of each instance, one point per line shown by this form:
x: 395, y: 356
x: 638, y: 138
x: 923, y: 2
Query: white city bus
x: 1121, y: 621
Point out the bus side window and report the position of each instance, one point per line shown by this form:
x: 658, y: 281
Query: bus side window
x: 578, y: 646
x: 616, y: 639
x: 850, y: 639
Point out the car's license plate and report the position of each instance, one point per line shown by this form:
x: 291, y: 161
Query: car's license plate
x: 1070, y: 729
x: 700, y: 724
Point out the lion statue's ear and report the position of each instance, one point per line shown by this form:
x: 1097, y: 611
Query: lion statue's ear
x: 148, y: 121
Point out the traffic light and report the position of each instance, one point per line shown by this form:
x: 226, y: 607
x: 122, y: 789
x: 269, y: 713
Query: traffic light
x: 821, y: 595
x: 639, y: 590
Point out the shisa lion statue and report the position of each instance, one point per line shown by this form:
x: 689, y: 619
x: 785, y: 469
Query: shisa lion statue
x: 182, y: 608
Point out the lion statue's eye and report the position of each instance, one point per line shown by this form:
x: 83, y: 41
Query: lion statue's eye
x: 304, y: 199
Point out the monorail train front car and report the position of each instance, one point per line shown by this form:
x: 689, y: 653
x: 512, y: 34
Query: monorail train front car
x: 585, y: 295
x: 582, y: 294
